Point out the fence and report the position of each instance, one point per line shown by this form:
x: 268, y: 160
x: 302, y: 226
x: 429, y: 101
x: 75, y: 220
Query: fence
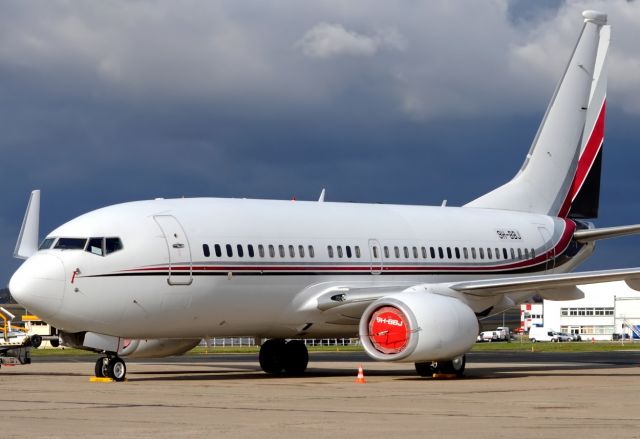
x: 250, y: 341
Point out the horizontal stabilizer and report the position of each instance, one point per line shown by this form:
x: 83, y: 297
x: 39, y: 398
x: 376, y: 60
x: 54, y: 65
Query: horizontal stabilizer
x: 588, y: 235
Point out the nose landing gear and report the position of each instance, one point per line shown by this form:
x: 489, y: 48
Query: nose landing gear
x: 111, y: 367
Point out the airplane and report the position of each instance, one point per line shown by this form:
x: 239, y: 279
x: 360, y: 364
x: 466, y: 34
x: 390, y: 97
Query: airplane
x: 152, y: 278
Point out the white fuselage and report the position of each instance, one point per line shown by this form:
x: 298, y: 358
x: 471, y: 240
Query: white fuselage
x: 170, y: 280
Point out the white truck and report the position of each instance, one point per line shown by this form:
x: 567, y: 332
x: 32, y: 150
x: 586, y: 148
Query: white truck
x: 501, y: 333
x: 537, y: 333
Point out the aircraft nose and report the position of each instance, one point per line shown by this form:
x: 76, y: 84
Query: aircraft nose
x: 39, y: 284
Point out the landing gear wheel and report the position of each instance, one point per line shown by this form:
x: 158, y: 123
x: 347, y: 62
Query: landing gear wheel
x: 272, y: 355
x: 425, y: 369
x: 455, y: 366
x: 296, y: 357
x: 116, y: 368
x: 101, y: 370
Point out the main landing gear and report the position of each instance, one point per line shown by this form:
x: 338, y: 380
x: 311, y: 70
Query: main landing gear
x: 278, y: 356
x: 453, y: 367
x: 111, y: 367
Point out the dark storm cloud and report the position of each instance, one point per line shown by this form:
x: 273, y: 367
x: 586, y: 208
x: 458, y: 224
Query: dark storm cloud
x: 104, y: 102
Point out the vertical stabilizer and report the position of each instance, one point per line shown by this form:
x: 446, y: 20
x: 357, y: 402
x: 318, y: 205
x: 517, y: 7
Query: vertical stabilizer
x: 562, y: 164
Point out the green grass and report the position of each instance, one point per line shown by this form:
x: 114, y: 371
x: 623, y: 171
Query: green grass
x: 581, y: 346
x: 517, y: 346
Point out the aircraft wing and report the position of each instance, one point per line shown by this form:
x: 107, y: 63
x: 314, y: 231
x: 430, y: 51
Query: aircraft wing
x: 348, y: 303
x: 546, y: 282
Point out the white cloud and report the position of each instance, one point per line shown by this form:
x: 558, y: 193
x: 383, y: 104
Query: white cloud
x: 325, y: 40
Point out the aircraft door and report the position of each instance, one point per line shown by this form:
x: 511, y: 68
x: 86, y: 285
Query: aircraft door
x: 375, y: 252
x: 548, y: 247
x: 180, y: 264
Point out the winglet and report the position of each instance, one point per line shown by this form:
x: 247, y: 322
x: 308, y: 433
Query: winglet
x: 27, y: 243
x: 321, y: 199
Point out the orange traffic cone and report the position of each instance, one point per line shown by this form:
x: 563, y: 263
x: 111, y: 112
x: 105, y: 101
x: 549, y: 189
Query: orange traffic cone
x: 360, y: 378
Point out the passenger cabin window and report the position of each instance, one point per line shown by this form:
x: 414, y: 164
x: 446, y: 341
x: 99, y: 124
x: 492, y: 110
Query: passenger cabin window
x: 218, y: 250
x: 250, y: 251
x: 513, y: 254
x: 473, y: 252
x: 396, y: 251
x: 71, y: 243
x: 330, y: 251
x: 348, y: 250
x: 339, y: 248
x: 519, y: 253
x: 240, y: 251
x: 374, y: 249
x: 272, y: 251
x: 526, y: 253
x: 205, y: 249
x: 261, y: 250
x: 533, y: 253
x: 406, y: 252
x: 229, y: 250
x: 415, y: 252
x: 440, y: 253
x: 465, y: 252
x: 292, y: 252
x: 301, y: 251
x: 424, y: 252
x: 489, y: 254
x: 481, y: 252
x: 497, y: 253
x: 449, y: 252
x: 357, y: 248
x: 46, y: 244
x: 386, y: 252
x: 504, y: 254
x: 433, y: 252
x: 312, y: 253
x: 457, y: 251
x: 281, y: 250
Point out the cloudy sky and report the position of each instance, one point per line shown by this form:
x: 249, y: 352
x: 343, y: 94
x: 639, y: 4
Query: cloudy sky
x: 397, y: 102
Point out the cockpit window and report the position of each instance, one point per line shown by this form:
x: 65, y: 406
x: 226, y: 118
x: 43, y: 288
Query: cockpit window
x: 112, y: 245
x: 95, y: 246
x: 71, y: 243
x: 104, y: 246
x: 47, y: 243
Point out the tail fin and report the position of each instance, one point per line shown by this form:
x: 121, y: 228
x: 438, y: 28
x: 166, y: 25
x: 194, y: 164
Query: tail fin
x: 561, y: 174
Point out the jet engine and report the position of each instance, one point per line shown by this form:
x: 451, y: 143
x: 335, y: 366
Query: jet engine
x: 418, y: 327
x: 156, y: 348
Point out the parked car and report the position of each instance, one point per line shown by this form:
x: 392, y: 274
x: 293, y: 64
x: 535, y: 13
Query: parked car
x: 574, y: 337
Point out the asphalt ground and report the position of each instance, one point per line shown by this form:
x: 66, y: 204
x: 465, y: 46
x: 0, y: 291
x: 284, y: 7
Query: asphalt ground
x: 504, y: 394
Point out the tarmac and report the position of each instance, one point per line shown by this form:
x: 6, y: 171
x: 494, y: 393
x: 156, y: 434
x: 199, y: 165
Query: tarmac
x: 514, y: 395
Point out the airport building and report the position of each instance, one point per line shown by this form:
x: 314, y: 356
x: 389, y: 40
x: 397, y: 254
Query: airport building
x: 608, y: 311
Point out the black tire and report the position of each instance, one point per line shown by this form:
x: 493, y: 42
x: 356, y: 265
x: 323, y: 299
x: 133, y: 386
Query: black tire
x: 426, y: 369
x: 101, y: 370
x: 532, y: 340
x: 455, y: 366
x: 55, y: 342
x: 296, y: 357
x: 35, y: 341
x: 117, y: 369
x: 271, y: 356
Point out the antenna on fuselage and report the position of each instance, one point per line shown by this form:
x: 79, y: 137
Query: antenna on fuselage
x: 321, y: 199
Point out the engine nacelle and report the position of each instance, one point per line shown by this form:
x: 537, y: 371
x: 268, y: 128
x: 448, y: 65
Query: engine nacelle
x: 418, y: 327
x: 156, y: 348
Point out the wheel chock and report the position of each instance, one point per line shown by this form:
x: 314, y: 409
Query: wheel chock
x: 445, y: 376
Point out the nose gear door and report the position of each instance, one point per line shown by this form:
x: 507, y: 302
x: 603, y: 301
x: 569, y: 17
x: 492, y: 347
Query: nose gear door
x: 180, y: 263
